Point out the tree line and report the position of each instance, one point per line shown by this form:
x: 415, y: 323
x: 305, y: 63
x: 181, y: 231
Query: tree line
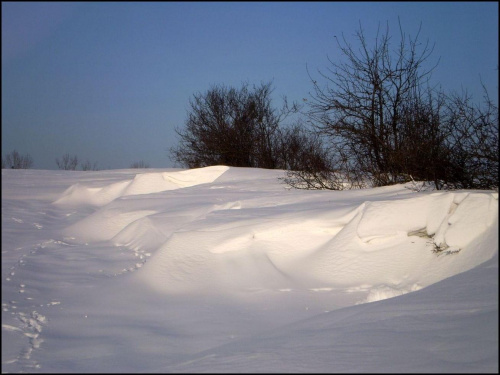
x: 373, y: 119
x: 14, y: 160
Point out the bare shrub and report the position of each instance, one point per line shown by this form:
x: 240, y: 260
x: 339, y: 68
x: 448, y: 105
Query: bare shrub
x: 385, y: 123
x: 311, y: 165
x: 234, y: 127
x: 67, y: 162
x: 14, y: 160
x: 88, y: 166
x: 139, y: 164
x: 472, y: 142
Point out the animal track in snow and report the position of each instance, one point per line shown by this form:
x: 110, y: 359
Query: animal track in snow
x: 31, y: 327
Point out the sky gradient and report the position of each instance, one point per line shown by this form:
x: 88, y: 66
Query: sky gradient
x: 109, y: 82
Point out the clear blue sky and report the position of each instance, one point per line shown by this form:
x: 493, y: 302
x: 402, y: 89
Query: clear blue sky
x: 110, y: 82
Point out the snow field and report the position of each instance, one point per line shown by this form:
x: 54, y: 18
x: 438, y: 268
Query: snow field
x: 226, y: 270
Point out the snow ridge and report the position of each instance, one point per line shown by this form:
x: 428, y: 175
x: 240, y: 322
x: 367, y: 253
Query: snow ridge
x: 384, y: 248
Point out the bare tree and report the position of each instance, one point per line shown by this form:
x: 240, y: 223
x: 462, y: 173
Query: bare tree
x: 363, y: 106
x: 88, y: 166
x: 473, y: 142
x: 67, y: 162
x: 384, y: 123
x: 16, y: 161
x: 235, y: 127
x: 423, y: 153
x: 311, y: 165
x: 139, y: 164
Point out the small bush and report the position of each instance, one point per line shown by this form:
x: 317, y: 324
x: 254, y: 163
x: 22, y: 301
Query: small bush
x: 67, y: 162
x: 88, y: 166
x: 139, y: 164
x: 16, y: 161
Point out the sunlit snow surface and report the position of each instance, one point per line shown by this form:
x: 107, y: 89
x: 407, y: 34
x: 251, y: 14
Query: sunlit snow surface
x: 226, y: 270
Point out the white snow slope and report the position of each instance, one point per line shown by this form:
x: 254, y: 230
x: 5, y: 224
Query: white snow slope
x: 224, y: 269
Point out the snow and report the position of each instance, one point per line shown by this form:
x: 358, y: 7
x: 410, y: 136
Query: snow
x: 224, y: 269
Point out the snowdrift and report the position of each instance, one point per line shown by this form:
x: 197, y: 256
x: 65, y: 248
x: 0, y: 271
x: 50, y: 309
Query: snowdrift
x: 227, y: 270
x: 383, y: 242
x: 143, y: 183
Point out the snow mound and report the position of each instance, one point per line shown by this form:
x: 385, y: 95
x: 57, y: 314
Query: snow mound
x: 241, y: 233
x: 371, y: 244
x: 388, y: 218
x: 144, y: 183
x: 397, y: 243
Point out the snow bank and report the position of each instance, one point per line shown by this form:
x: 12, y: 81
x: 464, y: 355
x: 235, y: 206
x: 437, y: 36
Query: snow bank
x: 471, y: 217
x: 367, y: 246
x: 380, y: 242
x: 388, y: 218
x: 144, y: 183
x: 200, y: 273
x: 391, y: 247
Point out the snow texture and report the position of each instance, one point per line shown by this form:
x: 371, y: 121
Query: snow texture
x: 224, y: 269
